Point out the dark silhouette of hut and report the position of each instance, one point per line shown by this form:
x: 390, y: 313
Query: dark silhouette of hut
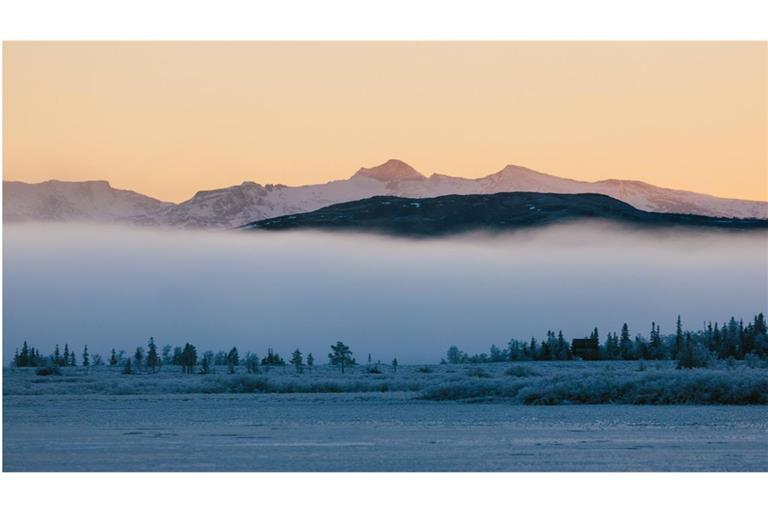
x: 585, y: 348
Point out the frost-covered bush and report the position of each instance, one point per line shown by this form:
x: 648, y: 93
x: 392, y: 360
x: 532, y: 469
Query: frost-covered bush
x: 521, y: 371
x: 478, y: 372
x: 555, y: 382
x: 470, y: 390
x: 45, y: 371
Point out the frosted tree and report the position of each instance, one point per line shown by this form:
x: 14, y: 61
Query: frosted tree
x: 612, y: 347
x: 454, y: 355
x: 206, y: 361
x: 167, y: 354
x: 394, y: 365
x: 233, y: 359
x: 188, y: 358
x: 678, y: 338
x: 626, y: 347
x: 656, y: 347
x: 113, y: 358
x: 127, y: 369
x: 341, y: 356
x: 297, y: 360
x: 153, y: 360
x: 66, y: 355
x: 138, y: 357
x: 86, y: 359
x: 251, y: 362
x: 310, y: 361
x: 691, y: 354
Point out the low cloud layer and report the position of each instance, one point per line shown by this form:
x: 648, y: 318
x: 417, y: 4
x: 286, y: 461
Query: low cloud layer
x: 114, y: 287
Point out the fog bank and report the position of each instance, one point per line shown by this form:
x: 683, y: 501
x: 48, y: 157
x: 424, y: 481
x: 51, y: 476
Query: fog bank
x: 111, y: 286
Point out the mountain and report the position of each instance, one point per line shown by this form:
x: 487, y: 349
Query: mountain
x: 234, y: 206
x: 248, y: 202
x: 453, y: 214
x: 57, y: 201
x: 240, y: 204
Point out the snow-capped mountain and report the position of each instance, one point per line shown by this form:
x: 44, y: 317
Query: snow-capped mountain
x: 248, y: 202
x: 93, y: 201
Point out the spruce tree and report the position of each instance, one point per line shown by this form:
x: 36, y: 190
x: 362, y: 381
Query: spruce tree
x: 188, y: 358
x: 678, y: 338
x: 86, y: 360
x: 394, y: 365
x: 233, y: 359
x: 310, y: 361
x: 341, y: 355
x: 205, y: 363
x: 113, y: 358
x: 612, y: 346
x: 625, y: 344
x: 23, y: 358
x: 66, y: 355
x: 563, y: 352
x: 656, y: 347
x: 138, y: 357
x: 153, y: 360
x: 297, y: 360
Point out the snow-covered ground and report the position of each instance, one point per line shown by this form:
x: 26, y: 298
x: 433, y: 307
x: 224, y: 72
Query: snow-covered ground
x: 158, y: 422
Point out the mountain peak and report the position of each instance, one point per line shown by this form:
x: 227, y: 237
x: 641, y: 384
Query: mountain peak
x: 391, y: 170
x: 519, y: 169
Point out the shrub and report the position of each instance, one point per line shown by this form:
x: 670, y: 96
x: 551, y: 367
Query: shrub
x: 425, y: 369
x: 470, y: 390
x: 45, y: 371
x: 478, y: 372
x: 521, y: 371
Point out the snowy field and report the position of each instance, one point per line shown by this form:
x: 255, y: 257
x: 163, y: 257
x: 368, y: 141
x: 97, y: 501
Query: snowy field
x: 101, y: 420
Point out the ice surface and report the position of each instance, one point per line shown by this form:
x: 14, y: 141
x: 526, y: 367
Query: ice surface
x: 101, y: 420
x: 371, y: 432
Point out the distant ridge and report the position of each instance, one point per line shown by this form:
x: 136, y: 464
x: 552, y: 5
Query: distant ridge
x: 240, y: 204
x: 62, y: 201
x: 504, y: 211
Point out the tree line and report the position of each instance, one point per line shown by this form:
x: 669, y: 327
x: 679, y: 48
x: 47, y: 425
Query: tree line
x: 729, y: 340
x: 186, y: 357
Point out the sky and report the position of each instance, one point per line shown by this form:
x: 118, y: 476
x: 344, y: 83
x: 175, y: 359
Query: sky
x: 170, y: 118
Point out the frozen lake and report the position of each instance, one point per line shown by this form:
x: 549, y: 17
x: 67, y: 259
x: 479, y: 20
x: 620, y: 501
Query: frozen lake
x: 371, y: 432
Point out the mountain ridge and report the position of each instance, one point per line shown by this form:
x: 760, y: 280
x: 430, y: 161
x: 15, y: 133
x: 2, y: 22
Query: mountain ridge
x: 503, y: 211
x: 249, y: 201
x: 61, y: 201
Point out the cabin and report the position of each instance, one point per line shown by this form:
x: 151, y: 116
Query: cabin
x: 585, y: 348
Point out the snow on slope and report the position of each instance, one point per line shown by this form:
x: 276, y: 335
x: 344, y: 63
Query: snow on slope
x: 54, y: 200
x: 248, y: 202
x: 237, y: 205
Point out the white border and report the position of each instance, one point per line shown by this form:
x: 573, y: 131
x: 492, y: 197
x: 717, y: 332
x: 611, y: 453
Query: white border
x: 384, y: 20
x: 385, y: 492
x: 390, y: 20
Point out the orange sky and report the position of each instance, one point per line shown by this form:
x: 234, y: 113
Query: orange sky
x: 168, y: 119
